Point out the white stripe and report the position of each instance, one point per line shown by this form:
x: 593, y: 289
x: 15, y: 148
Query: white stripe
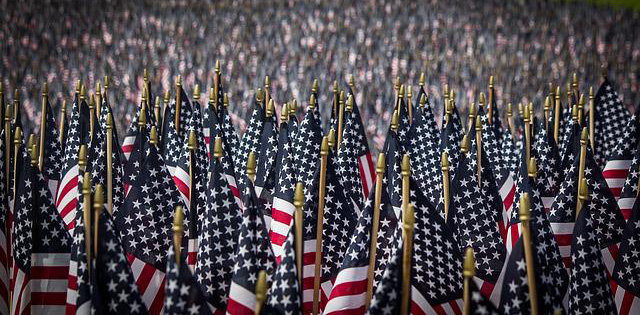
x: 307, y: 295
x: 620, y: 291
x: 48, y: 309
x: 565, y: 250
x: 325, y: 288
x: 608, y: 259
x: 136, y: 268
x: 562, y: 227
x: 422, y: 303
x: 68, y: 176
x: 23, y: 287
x: 53, y: 186
x: 617, y: 165
x: 615, y: 182
x: 48, y: 285
x: 84, y: 309
x: 242, y: 296
x: 346, y: 302
x: 50, y: 260
x: 547, y: 202
x: 506, y: 187
x: 626, y: 203
x: 497, y: 289
x: 366, y: 169
x: 352, y: 275
x: 153, y: 288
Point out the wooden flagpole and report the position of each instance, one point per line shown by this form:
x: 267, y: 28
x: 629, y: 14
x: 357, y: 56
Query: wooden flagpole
x: 556, y: 115
x: 177, y: 228
x: 98, y: 202
x: 43, y: 122
x: 468, y: 272
x: 444, y: 167
x: 581, y: 166
x: 86, y: 216
x: 92, y: 115
x: 407, y: 246
x: 479, y: 149
x: 472, y: 116
x: 580, y: 109
x: 546, y: 113
x: 261, y: 291
x: 592, y: 118
x: 527, y: 133
x: 340, y: 119
x: 528, y: 251
x: 17, y: 139
x: 510, y: 122
x: 98, y: 99
x: 7, y: 145
x: 324, y: 151
x: 267, y: 95
x: 178, y: 104
x: 490, y: 102
x: 191, y: 146
x: 298, y: 202
x: 375, y: 226
x: 409, y: 103
x: 109, y: 129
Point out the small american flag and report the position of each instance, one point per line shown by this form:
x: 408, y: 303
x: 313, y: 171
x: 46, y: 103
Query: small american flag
x: 285, y: 293
x: 626, y: 273
x: 253, y: 254
x: 144, y: 223
x: 611, y: 116
x: 388, y: 294
x: 545, y: 151
x: 306, y: 147
x: 52, y: 155
x: 172, y: 138
x: 183, y: 294
x: 114, y: 289
x: 616, y: 170
x: 629, y: 191
x: 450, y: 137
x: 4, y: 230
x: 41, y: 246
x: 266, y: 167
x: 250, y: 143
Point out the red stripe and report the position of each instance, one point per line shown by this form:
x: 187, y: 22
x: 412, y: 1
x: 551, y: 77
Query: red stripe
x: 71, y: 184
x: 127, y: 148
x: 158, y: 300
x: 349, y: 288
x: 503, y: 231
x: 276, y: 238
x: 280, y: 216
x: 627, y: 301
x: 353, y: 311
x: 68, y: 208
x: 182, y: 187
x: 563, y: 239
x: 508, y: 199
x: 144, y: 279
x: 235, y: 308
x: 487, y: 288
x: 191, y: 258
x: 234, y: 191
x: 626, y: 213
x: 515, y: 234
x: 616, y: 191
x: 455, y: 307
x: 615, y: 174
x: 613, y: 249
x: 57, y: 272
x: 48, y: 298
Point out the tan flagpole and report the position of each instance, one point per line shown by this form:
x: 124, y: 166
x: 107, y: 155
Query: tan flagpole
x: 298, y: 202
x: 191, y: 146
x: 98, y: 204
x: 178, y: 104
x: 592, y: 118
x: 528, y: 251
x: 490, y: 102
x: 109, y: 130
x: 444, y: 167
x: 581, y: 166
x: 468, y: 272
x: 98, y: 99
x: 527, y: 133
x: 341, y: 118
x: 261, y: 291
x: 510, y: 122
x: 92, y: 116
x: 251, y: 166
x: 177, y: 228
x: 556, y: 115
x: 324, y: 151
x: 546, y: 113
x: 407, y: 246
x: 7, y: 145
x: 375, y: 226
x: 63, y: 117
x: 267, y: 95
x: 86, y: 217
x: 16, y: 146
x: 472, y: 117
x: 43, y: 122
x: 409, y: 103
x: 479, y: 149
x: 580, y: 109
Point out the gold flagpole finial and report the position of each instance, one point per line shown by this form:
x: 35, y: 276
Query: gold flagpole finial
x: 153, y: 135
x: 444, y: 167
x: 574, y: 81
x: 468, y: 272
x: 82, y: 92
x: 351, y: 82
x: 177, y: 228
x: 324, y: 147
x: 293, y: 107
x: 394, y: 121
x: 464, y: 144
x: 145, y: 76
x: 532, y: 168
x: 423, y: 100
x: 472, y: 115
x: 397, y: 84
x: 269, y: 109
x: 314, y: 87
x: 491, y: 82
x: 142, y: 119
x: 574, y: 113
x: 350, y: 103
x: 284, y: 112
x: 196, y: 92
x: 212, y: 96
x: 105, y: 82
x: 259, y: 95
x: 217, y: 67
x: 261, y: 290
x: 312, y: 101
x: 422, y: 80
x: 251, y: 166
x: 82, y: 157
x: 78, y: 86
x: 445, y: 91
x: 331, y: 138
x: 191, y: 144
x: 225, y: 100
x: 335, y: 86
x: 401, y: 94
x: 34, y: 155
x: 267, y: 82
x: 483, y: 100
x: 580, y: 107
x: 217, y: 147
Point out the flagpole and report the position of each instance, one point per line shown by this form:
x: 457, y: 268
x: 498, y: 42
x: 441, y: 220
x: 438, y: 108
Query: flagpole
x: 472, y: 116
x: 490, y: 103
x: 261, y: 291
x: 330, y: 139
x: 98, y: 99
x: 7, y: 144
x: 527, y: 133
x: 546, y: 113
x: 92, y: 116
x: 482, y: 101
x: 191, y: 146
x: 407, y: 231
x: 178, y: 104
x: 375, y: 226
x: 592, y: 119
x: 396, y: 88
x: 293, y: 108
x: 16, y: 146
x: 16, y: 103
x: 177, y: 229
x: 464, y: 144
x: 86, y: 216
x: 106, y: 89
x: 580, y: 109
x: 468, y: 272
x: 479, y: 149
x: 340, y: 119
x: 528, y: 252
x: 409, y: 104
x: 574, y: 85
x: 43, y: 119
x: 510, y: 122
x: 444, y: 167
x: 109, y: 130
x: 98, y: 202
x: 423, y: 100
x: 581, y: 166
x: 31, y: 140
x: 267, y: 96
x: 298, y: 202
x: 324, y: 151
x: 251, y: 166
x: 556, y: 115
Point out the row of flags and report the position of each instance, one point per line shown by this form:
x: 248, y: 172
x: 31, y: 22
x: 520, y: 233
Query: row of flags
x: 484, y: 215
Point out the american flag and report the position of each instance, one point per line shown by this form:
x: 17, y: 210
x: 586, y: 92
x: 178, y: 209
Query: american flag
x: 183, y: 295
x: 52, y: 155
x: 266, y: 167
x: 4, y: 230
x: 629, y: 190
x: 547, y: 251
x: 626, y: 273
x: 479, y: 304
x: 475, y: 218
x: 144, y: 222
x: 134, y: 153
x: 292, y: 124
x: 603, y: 208
x: 230, y: 136
x: 41, y: 246
x: 114, y: 289
x: 423, y: 150
x: 403, y: 125
x: 306, y: 146
x: 221, y: 220
x: 545, y: 151
x: 172, y: 138
x: 339, y: 221
x: 354, y: 162
x: 282, y: 208
x: 129, y: 142
x: 589, y: 289
x: 67, y: 193
x: 388, y: 295
x: 611, y: 116
x: 349, y: 289
x: 250, y: 143
x: 78, y: 286
x: 615, y: 171
x: 253, y: 254
x: 285, y: 293
x: 450, y: 137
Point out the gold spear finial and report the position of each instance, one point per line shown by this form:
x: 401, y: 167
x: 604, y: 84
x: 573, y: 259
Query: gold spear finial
x: 196, y: 92
x: 574, y: 113
x: 351, y: 82
x: 469, y: 263
x: 574, y: 83
x: 212, y: 95
x: 191, y: 144
x: 284, y: 113
x: 483, y: 100
x: 177, y: 228
x: 314, y: 87
x: 142, y: 118
x: 532, y: 168
x: 401, y: 94
x: 394, y: 121
x: 82, y: 92
x: 267, y: 82
x: 324, y: 147
x: 145, y: 76
x: 583, y: 193
x: 82, y: 157
x: 312, y: 101
x: 350, y: 103
x: 217, y: 68
x: 225, y: 100
x: 261, y: 290
x: 153, y: 135
x: 78, y: 86
x: 331, y: 138
x: 422, y: 80
x: 269, y: 110
x: 423, y: 100
x: 217, y: 147
x: 464, y: 144
x: 293, y: 107
x: 259, y: 95
x: 251, y: 166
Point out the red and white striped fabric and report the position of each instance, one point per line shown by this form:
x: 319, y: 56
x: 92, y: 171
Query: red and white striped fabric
x: 72, y: 288
x: 4, y: 275
x: 626, y: 302
x: 367, y: 173
x: 206, y: 131
x: 349, y: 292
x: 626, y: 205
x: 67, y: 197
x: 192, y: 253
x: 507, y: 191
x: 308, y: 274
x: 44, y: 290
x: 615, y: 173
x: 243, y: 303
x: 563, y: 233
x: 281, y: 222
x: 420, y: 305
x: 183, y: 182
x: 127, y: 145
x: 150, y: 282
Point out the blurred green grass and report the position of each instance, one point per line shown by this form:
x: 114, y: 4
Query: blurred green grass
x: 618, y: 4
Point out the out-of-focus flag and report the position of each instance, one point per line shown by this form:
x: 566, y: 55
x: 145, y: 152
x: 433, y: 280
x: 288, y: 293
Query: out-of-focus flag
x: 626, y: 285
x: 266, y: 164
x: 610, y: 116
x: 183, y: 295
x: 306, y: 146
x: 52, y: 151
x: 285, y: 294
